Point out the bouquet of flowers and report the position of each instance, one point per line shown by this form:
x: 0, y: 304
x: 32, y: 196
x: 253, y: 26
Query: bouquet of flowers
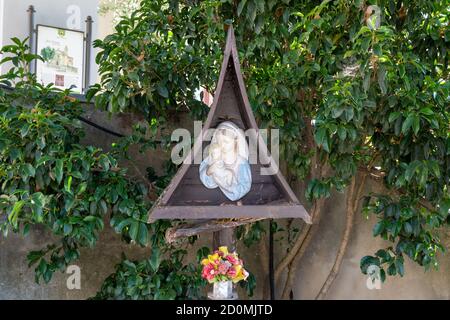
x: 223, y: 266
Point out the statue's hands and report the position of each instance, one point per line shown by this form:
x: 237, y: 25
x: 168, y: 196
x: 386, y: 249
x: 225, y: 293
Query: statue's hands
x: 211, y: 168
x: 229, y: 179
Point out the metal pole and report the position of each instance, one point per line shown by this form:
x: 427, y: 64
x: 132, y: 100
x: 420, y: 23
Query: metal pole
x: 271, y: 270
x: 31, y: 12
x: 88, y: 40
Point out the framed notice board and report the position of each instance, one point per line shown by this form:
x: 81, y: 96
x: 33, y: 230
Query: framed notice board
x: 63, y: 52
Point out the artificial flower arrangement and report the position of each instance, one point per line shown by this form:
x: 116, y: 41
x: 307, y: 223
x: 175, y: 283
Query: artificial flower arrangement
x: 223, y: 266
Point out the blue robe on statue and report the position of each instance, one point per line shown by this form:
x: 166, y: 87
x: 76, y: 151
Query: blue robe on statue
x: 240, y: 186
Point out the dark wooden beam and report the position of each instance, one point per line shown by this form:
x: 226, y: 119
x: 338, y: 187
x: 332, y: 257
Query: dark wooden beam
x: 231, y: 211
x: 206, y: 226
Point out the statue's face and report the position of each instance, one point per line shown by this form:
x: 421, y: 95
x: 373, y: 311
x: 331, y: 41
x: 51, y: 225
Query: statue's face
x: 226, y: 142
x: 215, y: 152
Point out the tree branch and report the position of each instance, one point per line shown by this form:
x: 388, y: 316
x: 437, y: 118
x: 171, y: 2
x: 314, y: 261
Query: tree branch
x: 189, y: 230
x: 344, y: 243
x: 307, y: 235
x: 317, y: 170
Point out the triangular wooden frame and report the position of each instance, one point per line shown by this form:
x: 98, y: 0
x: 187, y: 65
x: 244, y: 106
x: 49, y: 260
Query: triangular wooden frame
x: 287, y: 206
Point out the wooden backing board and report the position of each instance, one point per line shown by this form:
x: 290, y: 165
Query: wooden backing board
x: 270, y: 195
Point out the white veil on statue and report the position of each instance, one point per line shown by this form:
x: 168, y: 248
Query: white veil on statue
x: 238, y: 133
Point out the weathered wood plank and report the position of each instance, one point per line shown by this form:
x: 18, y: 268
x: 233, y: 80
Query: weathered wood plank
x: 189, y: 230
x: 231, y: 211
x: 260, y: 193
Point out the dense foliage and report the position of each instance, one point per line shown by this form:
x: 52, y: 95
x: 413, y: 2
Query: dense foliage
x: 374, y: 82
x: 353, y: 93
x: 154, y: 278
x: 48, y: 178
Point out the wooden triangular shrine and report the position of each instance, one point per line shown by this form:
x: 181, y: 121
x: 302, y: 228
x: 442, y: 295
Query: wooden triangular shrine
x: 270, y: 195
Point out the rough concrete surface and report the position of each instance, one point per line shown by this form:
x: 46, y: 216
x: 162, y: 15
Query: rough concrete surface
x: 350, y: 282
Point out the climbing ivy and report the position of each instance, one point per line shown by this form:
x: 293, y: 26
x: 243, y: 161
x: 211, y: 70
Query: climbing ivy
x: 355, y: 87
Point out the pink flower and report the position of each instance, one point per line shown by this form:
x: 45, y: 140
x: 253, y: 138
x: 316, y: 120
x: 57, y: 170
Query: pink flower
x: 223, y: 268
x: 232, y: 259
x: 232, y: 272
x: 209, y: 272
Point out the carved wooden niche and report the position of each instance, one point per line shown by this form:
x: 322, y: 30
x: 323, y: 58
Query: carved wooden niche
x: 270, y: 196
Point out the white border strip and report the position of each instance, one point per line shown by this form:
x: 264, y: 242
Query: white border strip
x: 1, y: 27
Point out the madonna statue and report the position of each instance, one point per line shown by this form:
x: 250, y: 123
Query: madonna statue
x: 226, y: 165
